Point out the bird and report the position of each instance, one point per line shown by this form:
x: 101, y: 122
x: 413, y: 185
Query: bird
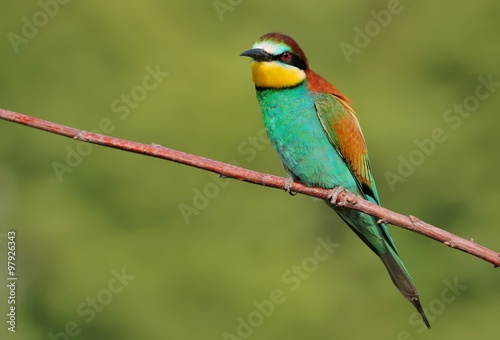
x: 317, y: 136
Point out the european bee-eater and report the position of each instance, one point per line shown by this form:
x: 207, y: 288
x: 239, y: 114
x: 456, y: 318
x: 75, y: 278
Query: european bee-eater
x: 319, y: 141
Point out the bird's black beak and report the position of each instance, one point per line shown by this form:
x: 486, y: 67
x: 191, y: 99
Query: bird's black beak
x: 257, y: 54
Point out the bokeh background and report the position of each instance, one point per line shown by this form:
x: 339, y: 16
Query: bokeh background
x: 197, y: 275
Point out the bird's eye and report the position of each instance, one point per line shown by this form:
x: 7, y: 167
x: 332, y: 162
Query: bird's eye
x: 286, y: 56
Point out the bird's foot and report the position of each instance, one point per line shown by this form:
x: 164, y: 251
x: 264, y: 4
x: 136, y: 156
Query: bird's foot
x: 288, y: 186
x: 334, y: 194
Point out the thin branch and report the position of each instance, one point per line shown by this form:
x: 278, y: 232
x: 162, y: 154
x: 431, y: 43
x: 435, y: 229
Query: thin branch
x: 344, y: 198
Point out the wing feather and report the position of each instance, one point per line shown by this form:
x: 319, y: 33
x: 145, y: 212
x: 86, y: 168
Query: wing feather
x: 342, y: 128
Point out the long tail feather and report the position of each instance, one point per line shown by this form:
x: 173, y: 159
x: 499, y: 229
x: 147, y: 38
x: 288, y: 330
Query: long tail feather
x: 377, y: 237
x: 402, y: 279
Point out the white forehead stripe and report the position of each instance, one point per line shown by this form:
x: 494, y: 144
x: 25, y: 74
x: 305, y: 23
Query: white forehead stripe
x: 271, y: 47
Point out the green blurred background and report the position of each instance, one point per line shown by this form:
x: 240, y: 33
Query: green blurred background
x: 117, y: 211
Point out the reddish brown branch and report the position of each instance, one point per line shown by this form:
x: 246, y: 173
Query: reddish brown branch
x: 344, y: 199
x: 351, y: 201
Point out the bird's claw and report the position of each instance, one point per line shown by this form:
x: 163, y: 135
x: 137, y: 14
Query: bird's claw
x: 288, y: 186
x: 334, y: 194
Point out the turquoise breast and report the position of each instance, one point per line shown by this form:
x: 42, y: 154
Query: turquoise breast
x: 295, y: 131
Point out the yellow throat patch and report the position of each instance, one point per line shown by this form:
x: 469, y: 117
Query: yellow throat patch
x: 275, y: 75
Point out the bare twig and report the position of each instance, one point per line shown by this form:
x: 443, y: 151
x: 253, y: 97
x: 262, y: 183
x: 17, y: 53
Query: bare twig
x: 344, y: 198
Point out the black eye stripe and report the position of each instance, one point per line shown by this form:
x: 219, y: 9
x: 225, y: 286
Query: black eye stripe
x: 293, y: 60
